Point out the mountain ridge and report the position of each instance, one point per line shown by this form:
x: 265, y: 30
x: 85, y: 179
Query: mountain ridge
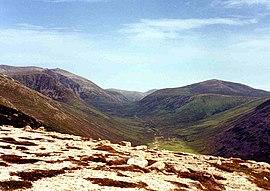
x: 64, y: 86
x: 168, y: 101
x: 192, y: 117
x: 214, y: 86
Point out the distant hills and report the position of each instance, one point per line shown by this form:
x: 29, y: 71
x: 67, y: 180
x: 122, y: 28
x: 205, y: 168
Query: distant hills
x: 207, y: 117
x: 133, y: 96
x: 195, y: 102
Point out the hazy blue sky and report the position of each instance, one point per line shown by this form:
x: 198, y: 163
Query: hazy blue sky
x: 141, y: 44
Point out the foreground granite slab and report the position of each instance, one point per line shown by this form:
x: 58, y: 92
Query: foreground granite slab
x: 39, y: 160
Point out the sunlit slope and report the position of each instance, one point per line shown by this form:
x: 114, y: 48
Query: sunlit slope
x: 166, y: 101
x: 59, y: 116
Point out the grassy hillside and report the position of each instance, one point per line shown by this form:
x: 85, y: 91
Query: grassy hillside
x: 205, y: 98
x: 198, y: 108
x: 61, y: 117
x: 200, y: 137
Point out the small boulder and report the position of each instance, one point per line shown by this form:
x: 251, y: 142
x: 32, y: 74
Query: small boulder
x: 219, y: 161
x: 27, y: 128
x: 103, y: 142
x: 158, y: 165
x: 141, y: 162
x: 125, y: 143
x: 41, y: 128
x: 141, y: 147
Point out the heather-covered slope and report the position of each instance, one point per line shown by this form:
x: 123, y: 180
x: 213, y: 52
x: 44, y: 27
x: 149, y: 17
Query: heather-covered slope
x: 91, y: 93
x: 59, y: 116
x: 37, y: 160
x: 247, y: 136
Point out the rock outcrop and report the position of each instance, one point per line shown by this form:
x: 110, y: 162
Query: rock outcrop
x: 11, y: 116
x: 40, y: 160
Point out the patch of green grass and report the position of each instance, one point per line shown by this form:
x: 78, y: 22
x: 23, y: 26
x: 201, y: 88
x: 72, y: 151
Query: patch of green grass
x: 172, y: 145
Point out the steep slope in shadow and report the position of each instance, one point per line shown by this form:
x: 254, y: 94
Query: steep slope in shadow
x: 247, y: 136
x: 90, y: 92
x: 66, y: 87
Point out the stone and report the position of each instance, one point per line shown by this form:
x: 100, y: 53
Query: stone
x: 141, y: 162
x: 27, y: 128
x: 219, y: 161
x: 141, y: 147
x: 41, y: 128
x: 158, y: 165
x: 104, y: 142
x: 125, y: 143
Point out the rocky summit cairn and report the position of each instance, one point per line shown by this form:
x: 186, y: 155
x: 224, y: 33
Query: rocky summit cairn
x: 40, y: 160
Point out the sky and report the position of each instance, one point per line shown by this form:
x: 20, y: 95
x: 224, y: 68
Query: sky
x: 141, y: 44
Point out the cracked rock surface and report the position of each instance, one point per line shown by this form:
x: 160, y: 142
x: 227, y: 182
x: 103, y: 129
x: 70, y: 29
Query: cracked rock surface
x: 36, y: 160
